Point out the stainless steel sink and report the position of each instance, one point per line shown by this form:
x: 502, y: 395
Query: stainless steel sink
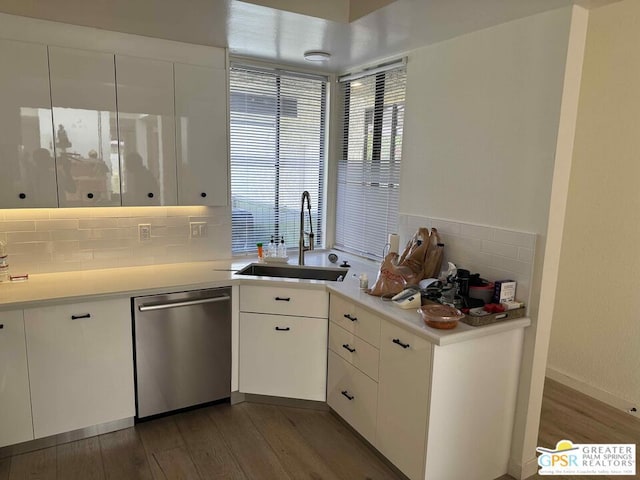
x: 294, y: 271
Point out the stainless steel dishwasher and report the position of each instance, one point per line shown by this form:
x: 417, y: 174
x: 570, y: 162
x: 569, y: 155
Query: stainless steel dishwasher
x: 182, y: 349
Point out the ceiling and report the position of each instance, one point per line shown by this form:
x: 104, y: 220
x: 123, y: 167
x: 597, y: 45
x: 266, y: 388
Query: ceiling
x: 283, y: 34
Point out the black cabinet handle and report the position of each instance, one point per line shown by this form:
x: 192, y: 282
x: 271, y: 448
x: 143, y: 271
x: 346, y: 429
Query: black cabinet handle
x: 203, y: 194
x: 1, y: 326
x: 346, y: 345
x: 150, y: 194
x: 89, y: 195
x: 285, y: 329
x: 398, y: 342
x: 348, y: 316
x: 78, y: 317
x: 346, y: 394
x: 22, y: 196
x: 283, y: 299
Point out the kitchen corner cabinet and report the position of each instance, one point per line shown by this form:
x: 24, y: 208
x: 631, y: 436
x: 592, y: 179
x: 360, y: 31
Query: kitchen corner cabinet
x: 283, y: 342
x: 146, y: 131
x: 28, y: 177
x: 202, y: 135
x: 15, y: 402
x: 414, y: 400
x: 83, y: 96
x: 80, y: 365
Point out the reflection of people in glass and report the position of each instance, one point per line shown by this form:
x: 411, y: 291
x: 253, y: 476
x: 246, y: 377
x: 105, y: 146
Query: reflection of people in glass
x: 63, y: 139
x: 139, y: 180
x: 42, y: 174
x: 65, y: 176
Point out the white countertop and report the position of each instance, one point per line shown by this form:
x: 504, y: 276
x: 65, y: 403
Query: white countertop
x: 53, y: 288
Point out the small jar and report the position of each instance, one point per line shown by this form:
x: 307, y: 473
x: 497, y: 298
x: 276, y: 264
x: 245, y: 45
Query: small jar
x: 364, y: 281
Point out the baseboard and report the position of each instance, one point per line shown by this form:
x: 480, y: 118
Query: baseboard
x: 66, y: 437
x: 237, y: 397
x: 593, y: 392
x: 520, y: 471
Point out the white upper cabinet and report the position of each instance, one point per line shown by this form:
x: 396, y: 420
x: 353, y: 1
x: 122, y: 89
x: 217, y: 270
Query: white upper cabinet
x: 83, y: 95
x: 26, y: 133
x: 146, y: 129
x: 202, y: 126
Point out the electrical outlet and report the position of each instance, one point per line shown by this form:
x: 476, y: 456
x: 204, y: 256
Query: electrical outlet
x: 144, y: 232
x: 198, y: 229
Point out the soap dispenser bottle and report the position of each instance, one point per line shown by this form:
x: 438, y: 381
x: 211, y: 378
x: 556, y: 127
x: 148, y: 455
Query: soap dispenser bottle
x: 282, y: 249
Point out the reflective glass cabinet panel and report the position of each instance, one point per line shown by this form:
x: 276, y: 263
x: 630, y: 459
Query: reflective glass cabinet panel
x: 28, y: 177
x: 146, y: 127
x: 83, y: 95
x: 202, y: 126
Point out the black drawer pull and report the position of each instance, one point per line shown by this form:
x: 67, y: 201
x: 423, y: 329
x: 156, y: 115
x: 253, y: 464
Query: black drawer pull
x: 398, y: 342
x: 353, y: 319
x: 150, y: 195
x: 346, y: 345
x: 283, y: 299
x: 22, y: 196
x: 1, y: 326
x: 89, y: 195
x: 285, y: 329
x: 78, y: 317
x: 203, y: 194
x: 346, y: 394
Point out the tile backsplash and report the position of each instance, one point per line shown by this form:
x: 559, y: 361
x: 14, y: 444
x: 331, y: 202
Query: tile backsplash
x: 495, y: 253
x: 64, y: 239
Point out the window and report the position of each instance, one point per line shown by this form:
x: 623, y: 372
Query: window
x: 278, y: 146
x: 369, y: 167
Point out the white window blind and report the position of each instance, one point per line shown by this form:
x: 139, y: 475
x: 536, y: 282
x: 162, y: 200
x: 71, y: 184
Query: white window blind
x: 278, y: 147
x: 369, y: 167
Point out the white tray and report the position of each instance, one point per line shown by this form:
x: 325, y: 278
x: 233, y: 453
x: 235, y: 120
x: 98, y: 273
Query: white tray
x: 276, y: 259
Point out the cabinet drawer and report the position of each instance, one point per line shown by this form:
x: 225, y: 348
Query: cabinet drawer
x: 354, y: 350
x: 355, y: 320
x: 353, y: 395
x: 284, y: 301
x: 283, y: 356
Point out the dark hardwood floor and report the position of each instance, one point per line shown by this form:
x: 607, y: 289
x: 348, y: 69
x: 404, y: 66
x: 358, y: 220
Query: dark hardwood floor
x: 267, y: 442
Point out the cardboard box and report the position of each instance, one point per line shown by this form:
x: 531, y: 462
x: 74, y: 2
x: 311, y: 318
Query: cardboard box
x: 504, y: 291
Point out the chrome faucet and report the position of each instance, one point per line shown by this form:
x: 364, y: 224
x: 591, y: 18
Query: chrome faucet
x: 301, y: 246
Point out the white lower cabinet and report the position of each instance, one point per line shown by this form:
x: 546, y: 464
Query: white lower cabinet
x: 80, y: 365
x: 15, y: 402
x: 403, y: 398
x: 353, y: 395
x: 283, y: 356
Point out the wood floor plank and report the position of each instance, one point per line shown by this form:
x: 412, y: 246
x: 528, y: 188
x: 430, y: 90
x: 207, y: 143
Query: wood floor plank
x: 5, y: 468
x: 343, y: 452
x: 210, y: 454
x: 297, y: 457
x: 80, y: 460
x: 124, y: 456
x: 38, y: 465
x: 166, y: 450
x: 176, y: 464
x: 253, y: 453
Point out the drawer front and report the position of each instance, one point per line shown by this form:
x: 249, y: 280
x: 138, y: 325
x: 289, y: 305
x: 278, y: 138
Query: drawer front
x: 284, y: 301
x: 283, y: 356
x: 354, y: 350
x: 353, y: 395
x: 355, y: 320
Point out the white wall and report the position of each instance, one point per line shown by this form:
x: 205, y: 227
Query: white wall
x: 595, y: 338
x: 480, y: 145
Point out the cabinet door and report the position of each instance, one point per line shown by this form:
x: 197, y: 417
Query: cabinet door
x: 202, y: 126
x: 83, y: 95
x: 15, y: 411
x: 80, y: 365
x: 283, y: 356
x: 403, y: 396
x: 26, y: 134
x: 146, y: 129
